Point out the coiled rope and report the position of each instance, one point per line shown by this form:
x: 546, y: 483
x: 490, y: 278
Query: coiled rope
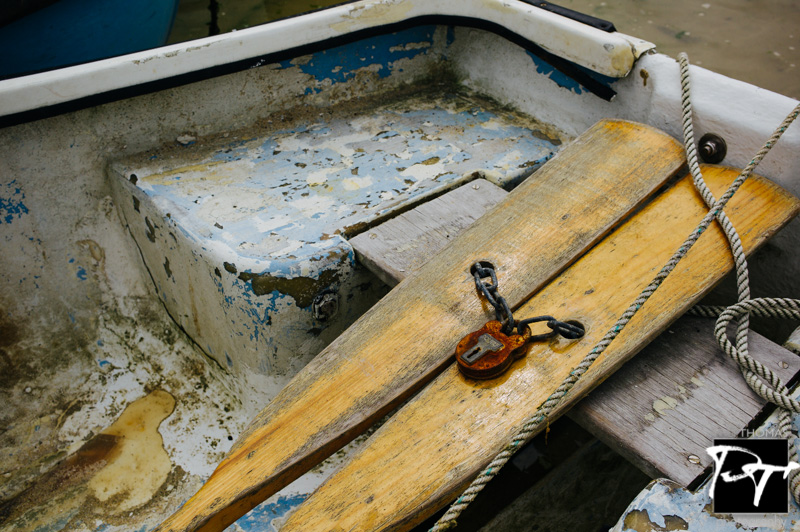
x: 773, y: 389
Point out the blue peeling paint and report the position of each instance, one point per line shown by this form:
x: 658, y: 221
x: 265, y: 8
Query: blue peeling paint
x: 451, y: 36
x: 235, y: 151
x: 11, y: 205
x: 103, y: 363
x: 666, y: 499
x: 260, y: 518
x: 311, y: 213
x: 81, y: 273
x: 564, y: 81
x: 342, y: 62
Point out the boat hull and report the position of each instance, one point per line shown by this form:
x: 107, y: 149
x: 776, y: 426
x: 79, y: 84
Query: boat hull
x: 86, y: 332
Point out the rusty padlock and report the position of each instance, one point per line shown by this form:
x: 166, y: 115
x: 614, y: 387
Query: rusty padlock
x: 488, y: 352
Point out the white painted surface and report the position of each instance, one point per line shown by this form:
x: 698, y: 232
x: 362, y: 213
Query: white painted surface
x: 68, y: 266
x: 612, y: 54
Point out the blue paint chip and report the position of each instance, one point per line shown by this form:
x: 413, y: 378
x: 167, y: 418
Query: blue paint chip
x: 450, y: 36
x: 260, y: 518
x: 103, y: 363
x: 563, y: 80
x: 341, y: 63
x: 100, y: 343
x: 11, y: 205
x: 81, y: 273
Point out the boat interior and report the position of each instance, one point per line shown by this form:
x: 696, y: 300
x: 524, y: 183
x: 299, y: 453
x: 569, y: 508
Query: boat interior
x: 172, y: 259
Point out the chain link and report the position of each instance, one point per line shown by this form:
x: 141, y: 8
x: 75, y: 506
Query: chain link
x: 491, y: 291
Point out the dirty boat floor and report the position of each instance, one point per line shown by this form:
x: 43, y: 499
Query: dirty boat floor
x: 119, y: 433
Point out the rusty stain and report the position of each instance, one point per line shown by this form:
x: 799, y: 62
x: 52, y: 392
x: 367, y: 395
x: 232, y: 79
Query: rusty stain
x: 645, y: 75
x: 105, y: 476
x: 75, y: 470
x: 95, y: 250
x: 139, y: 442
x: 639, y: 520
x: 302, y: 289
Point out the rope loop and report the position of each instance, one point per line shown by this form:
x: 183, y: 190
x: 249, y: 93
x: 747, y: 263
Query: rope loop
x: 491, y: 291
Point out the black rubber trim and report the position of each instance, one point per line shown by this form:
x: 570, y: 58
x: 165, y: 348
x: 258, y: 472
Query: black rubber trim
x: 583, y: 18
x: 574, y: 71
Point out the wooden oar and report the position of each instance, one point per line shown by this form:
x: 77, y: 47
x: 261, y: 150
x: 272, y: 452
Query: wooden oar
x: 408, y: 337
x: 431, y: 449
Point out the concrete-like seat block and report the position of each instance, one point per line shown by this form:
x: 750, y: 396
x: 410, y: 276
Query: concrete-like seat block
x: 244, y: 233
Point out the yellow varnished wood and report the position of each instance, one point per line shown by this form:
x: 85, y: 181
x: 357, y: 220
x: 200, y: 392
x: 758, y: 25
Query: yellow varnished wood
x: 407, y: 338
x: 431, y: 449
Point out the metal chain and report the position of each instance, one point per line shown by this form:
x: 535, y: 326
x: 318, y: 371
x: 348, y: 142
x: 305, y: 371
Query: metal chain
x: 503, y: 314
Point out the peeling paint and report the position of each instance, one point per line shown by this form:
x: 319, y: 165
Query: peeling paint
x: 289, y: 188
x: 302, y: 289
x: 380, y: 53
x: 563, y: 80
x: 11, y: 205
x: 664, y: 403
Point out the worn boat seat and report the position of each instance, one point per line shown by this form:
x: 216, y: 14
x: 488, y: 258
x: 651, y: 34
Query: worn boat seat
x: 246, y: 231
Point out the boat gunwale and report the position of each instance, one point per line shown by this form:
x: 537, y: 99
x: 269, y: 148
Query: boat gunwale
x: 60, y: 91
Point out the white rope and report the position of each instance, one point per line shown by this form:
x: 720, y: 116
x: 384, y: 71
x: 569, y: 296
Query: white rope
x: 740, y: 261
x: 754, y: 373
x: 532, y: 425
x: 760, y: 378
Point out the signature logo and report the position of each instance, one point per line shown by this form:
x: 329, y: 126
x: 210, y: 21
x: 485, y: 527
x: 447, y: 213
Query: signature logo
x: 754, y: 475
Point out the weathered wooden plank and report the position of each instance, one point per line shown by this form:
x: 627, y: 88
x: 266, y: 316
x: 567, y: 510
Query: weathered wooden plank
x: 407, y: 338
x: 665, y: 501
x: 432, y: 447
x: 665, y: 407
x: 403, y: 244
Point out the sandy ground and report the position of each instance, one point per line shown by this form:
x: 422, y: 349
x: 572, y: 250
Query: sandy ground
x: 757, y: 41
